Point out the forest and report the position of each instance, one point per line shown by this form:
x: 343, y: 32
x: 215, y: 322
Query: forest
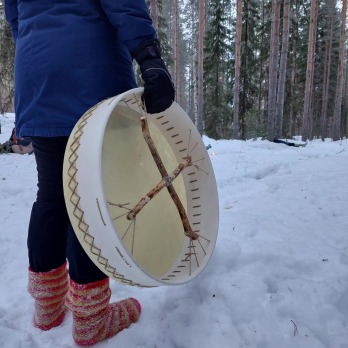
x: 245, y: 69
x: 247, y: 247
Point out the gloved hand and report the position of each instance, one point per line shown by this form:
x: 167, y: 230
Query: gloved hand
x: 159, y: 92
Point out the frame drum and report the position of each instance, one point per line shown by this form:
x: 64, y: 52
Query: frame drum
x: 108, y: 169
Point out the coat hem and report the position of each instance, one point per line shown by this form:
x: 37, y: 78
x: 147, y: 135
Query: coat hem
x: 44, y: 132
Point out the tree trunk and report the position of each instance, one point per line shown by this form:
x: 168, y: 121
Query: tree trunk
x: 282, y: 71
x: 192, y: 84
x: 177, y: 55
x: 170, y: 38
x: 326, y: 101
x: 237, y: 70
x: 205, y: 22
x: 325, y: 70
x: 192, y: 88
x: 222, y: 76
x: 309, y: 73
x: 336, y: 130
x: 242, y: 115
x: 311, y: 118
x: 181, y: 102
x: 1, y: 112
x: 216, y: 109
x: 272, y: 88
x: 291, y: 121
x: 154, y: 13
x: 262, y: 35
x: 345, y: 97
x: 200, y: 69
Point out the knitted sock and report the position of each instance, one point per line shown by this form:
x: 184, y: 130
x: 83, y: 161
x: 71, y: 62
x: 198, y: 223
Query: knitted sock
x: 94, y: 318
x: 49, y: 290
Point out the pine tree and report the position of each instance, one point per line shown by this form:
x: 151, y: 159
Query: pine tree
x: 156, y: 10
x: 273, y: 77
x: 327, y: 80
x: 248, y: 111
x: 310, y: 71
x: 200, y: 67
x: 294, y: 39
x: 344, y: 106
x: 338, y: 100
x: 282, y: 71
x: 191, y: 24
x: 237, y: 69
x: 217, y: 112
x: 162, y: 33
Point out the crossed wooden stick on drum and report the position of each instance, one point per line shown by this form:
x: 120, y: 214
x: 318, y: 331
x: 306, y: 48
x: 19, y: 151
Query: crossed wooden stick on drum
x: 167, y: 181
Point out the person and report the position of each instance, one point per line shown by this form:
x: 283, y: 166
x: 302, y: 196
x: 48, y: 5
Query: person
x: 17, y: 145
x: 70, y: 55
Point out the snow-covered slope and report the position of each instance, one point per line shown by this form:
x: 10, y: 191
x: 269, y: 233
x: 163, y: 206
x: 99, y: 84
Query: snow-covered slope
x: 281, y: 257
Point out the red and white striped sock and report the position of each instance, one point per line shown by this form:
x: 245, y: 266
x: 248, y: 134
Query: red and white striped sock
x: 94, y: 318
x: 49, y: 290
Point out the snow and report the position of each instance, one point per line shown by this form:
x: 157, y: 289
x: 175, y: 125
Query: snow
x: 281, y: 257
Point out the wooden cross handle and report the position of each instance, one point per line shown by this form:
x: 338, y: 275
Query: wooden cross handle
x: 185, y: 222
x: 165, y: 182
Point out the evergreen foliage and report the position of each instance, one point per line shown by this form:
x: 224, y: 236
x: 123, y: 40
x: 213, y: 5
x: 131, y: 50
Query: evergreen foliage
x: 217, y: 109
x: 167, y: 51
x: 249, y: 75
x: 219, y: 64
x: 166, y: 48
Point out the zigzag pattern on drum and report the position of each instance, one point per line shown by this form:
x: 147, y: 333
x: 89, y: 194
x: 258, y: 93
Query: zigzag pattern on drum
x: 74, y: 199
x: 94, y: 318
x: 49, y: 290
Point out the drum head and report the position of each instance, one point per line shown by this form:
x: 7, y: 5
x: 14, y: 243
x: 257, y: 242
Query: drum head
x: 108, y: 169
x: 129, y: 171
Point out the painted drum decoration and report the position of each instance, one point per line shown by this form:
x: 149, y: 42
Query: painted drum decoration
x: 141, y: 193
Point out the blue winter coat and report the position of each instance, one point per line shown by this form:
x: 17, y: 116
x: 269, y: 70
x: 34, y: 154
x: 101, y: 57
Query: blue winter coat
x: 71, y: 54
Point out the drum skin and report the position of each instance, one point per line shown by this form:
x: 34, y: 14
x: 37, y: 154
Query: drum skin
x: 108, y: 168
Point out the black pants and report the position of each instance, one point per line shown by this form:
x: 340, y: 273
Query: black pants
x: 51, y: 238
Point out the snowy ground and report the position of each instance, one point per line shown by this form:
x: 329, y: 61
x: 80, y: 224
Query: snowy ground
x: 281, y: 257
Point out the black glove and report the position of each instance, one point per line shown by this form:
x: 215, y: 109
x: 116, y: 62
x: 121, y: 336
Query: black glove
x: 159, y: 92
